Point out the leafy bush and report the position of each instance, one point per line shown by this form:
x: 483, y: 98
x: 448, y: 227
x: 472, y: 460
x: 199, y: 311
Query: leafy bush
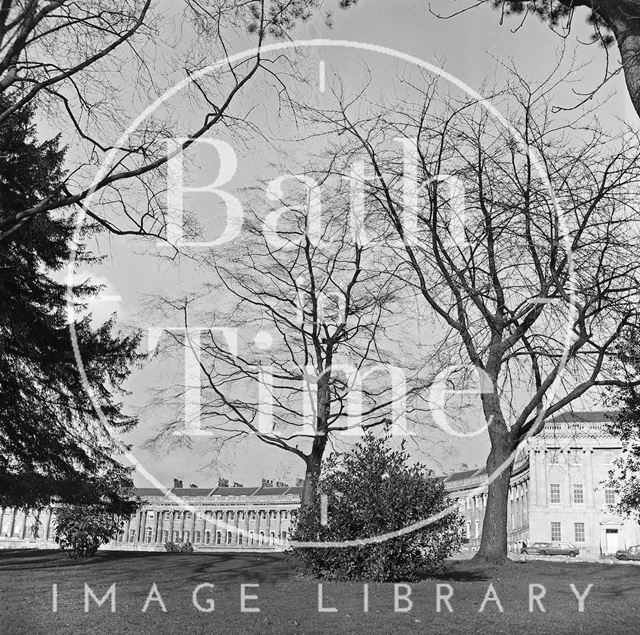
x: 81, y: 529
x: 177, y: 547
x: 373, y: 490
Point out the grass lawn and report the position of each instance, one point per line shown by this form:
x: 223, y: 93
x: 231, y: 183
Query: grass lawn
x: 288, y: 603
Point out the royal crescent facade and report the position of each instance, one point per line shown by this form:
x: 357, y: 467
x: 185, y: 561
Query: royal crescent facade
x: 557, y: 492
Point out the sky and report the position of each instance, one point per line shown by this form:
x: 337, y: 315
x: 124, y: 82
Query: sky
x: 472, y: 47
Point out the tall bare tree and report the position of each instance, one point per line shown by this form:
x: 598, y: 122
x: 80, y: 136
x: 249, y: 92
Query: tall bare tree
x: 321, y: 327
x: 522, y: 243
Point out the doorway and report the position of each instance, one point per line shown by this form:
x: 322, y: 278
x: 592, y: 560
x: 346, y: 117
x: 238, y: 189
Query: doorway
x: 611, y: 541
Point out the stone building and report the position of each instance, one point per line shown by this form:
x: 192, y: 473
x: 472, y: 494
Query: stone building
x: 557, y: 489
x: 556, y: 493
x: 210, y: 518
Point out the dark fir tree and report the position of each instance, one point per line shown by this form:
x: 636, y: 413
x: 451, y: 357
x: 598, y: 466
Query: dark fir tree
x: 53, y: 446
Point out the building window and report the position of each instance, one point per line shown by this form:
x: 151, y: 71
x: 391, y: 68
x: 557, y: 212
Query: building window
x: 165, y: 535
x: 610, y: 496
x: 576, y: 457
x: 262, y: 537
x: 207, y: 537
x: 554, y: 490
x: 477, y: 528
x: 241, y: 515
x: 150, y: 514
x: 218, y: 538
x: 252, y: 515
x: 285, y: 514
x: 607, y: 457
x: 468, y: 529
x: 553, y: 457
x: 176, y: 536
x: 178, y: 515
x: 132, y: 535
x: 250, y: 537
x: 228, y: 537
x: 149, y: 534
x: 579, y: 532
x: 187, y: 535
x: 240, y: 538
x: 556, y: 531
x: 208, y: 514
x: 284, y: 536
x: 578, y: 494
x: 232, y: 515
x: 196, y: 537
x: 272, y: 538
x: 167, y: 515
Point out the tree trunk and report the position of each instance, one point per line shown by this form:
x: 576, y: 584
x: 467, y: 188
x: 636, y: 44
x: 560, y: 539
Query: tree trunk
x: 312, y: 472
x: 623, y: 16
x: 493, y: 545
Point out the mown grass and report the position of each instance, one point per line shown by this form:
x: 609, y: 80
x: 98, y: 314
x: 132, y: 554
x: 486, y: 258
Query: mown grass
x: 288, y: 602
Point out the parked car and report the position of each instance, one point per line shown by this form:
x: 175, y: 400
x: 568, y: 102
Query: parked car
x: 552, y: 549
x: 632, y: 553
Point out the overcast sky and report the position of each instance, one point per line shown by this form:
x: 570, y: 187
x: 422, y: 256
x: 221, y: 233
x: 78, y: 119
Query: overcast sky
x: 473, y: 47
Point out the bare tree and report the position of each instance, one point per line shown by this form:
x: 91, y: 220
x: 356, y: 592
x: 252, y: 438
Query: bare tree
x: 84, y: 64
x: 321, y: 326
x: 522, y: 244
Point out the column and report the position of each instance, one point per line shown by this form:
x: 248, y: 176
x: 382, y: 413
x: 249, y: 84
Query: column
x: 47, y: 530
x: 13, y: 521
x: 24, y: 524
x: 171, y: 523
x: 157, y: 534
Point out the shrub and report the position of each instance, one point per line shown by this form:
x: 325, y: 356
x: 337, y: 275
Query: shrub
x: 81, y: 529
x: 373, y: 490
x: 176, y: 547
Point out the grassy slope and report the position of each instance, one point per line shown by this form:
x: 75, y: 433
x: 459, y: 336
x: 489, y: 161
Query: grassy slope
x: 289, y: 603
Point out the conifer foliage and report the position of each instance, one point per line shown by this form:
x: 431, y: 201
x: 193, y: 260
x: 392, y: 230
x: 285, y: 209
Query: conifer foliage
x: 53, y: 446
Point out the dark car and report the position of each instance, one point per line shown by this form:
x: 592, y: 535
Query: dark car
x: 632, y: 553
x: 552, y: 549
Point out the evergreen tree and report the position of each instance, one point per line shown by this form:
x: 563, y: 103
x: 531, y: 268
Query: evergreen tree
x: 53, y: 446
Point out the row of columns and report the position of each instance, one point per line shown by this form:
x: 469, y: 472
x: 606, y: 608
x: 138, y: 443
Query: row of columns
x: 204, y: 521
x: 11, y: 516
